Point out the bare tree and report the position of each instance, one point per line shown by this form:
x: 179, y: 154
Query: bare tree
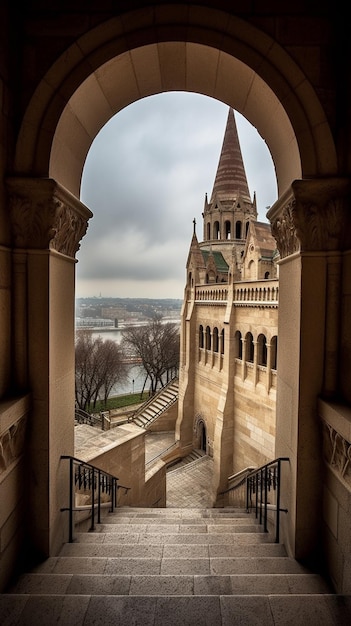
x: 157, y: 346
x: 99, y: 366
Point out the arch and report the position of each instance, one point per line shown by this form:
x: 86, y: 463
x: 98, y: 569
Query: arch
x: 261, y: 350
x: 216, y: 231
x: 227, y: 229
x: 238, y: 345
x: 201, y: 336
x: 274, y: 352
x: 215, y: 339
x: 249, y: 356
x: 238, y: 230
x: 82, y: 91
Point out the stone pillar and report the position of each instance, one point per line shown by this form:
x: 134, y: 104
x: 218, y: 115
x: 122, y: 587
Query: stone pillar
x: 311, y: 226
x: 47, y: 226
x: 243, y: 359
x: 255, y: 361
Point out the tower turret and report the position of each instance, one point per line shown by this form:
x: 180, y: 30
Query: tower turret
x: 230, y: 209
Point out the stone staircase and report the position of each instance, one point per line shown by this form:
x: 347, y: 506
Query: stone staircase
x: 158, y: 404
x: 186, y: 567
x: 194, y: 455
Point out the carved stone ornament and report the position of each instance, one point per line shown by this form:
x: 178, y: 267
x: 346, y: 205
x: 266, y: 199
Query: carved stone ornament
x: 337, y: 452
x: 44, y: 216
x: 12, y: 443
x: 284, y: 231
x: 314, y: 217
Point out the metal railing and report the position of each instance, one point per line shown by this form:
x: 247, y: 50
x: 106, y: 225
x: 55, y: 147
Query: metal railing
x: 259, y: 483
x: 101, y: 488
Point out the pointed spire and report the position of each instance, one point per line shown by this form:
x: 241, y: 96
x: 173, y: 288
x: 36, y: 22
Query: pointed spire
x: 230, y: 181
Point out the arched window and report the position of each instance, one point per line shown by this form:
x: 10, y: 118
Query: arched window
x: 274, y: 347
x: 238, y: 345
x: 216, y: 230
x: 238, y: 230
x: 261, y: 350
x: 208, y: 231
x: 249, y: 348
x: 201, y: 337
x: 247, y: 228
x: 215, y: 339
x: 266, y: 275
x: 227, y: 229
x: 208, y: 338
x: 222, y: 346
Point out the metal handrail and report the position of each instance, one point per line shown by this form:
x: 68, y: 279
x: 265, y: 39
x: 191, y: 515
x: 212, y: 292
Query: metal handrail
x: 258, y: 484
x: 96, y: 481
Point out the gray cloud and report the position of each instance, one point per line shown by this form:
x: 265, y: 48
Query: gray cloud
x: 145, y: 179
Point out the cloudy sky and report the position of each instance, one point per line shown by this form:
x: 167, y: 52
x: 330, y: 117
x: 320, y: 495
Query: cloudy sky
x: 145, y: 180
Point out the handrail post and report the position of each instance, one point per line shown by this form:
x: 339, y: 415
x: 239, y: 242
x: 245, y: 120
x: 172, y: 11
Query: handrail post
x: 71, y: 502
x: 277, y: 522
x: 92, y: 526
x: 265, y: 498
x: 99, y: 496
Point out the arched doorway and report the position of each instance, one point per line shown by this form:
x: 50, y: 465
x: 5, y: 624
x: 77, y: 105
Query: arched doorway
x: 100, y: 74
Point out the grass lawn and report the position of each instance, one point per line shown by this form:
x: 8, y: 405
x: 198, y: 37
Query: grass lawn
x: 118, y: 402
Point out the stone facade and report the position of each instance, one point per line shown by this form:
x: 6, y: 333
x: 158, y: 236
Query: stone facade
x: 229, y: 327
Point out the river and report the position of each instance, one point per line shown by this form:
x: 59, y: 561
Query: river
x: 136, y: 373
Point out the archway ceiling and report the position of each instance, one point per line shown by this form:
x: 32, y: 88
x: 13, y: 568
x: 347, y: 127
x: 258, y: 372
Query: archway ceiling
x: 170, y: 66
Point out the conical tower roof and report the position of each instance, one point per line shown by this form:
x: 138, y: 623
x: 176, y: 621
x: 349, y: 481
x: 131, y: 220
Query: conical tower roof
x: 230, y: 181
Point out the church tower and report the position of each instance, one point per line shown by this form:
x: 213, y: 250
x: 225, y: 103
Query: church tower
x: 230, y: 210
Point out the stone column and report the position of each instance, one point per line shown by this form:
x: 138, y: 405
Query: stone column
x: 311, y: 226
x: 47, y: 226
x: 243, y: 359
x: 255, y: 361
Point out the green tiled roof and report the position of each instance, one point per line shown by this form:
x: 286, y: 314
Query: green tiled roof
x: 221, y: 264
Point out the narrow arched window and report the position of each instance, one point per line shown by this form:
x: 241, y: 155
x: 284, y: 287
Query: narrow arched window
x: 249, y: 348
x: 215, y: 339
x: 274, y: 348
x: 227, y: 229
x: 201, y: 336
x: 222, y: 346
x: 261, y: 350
x: 216, y: 230
x: 238, y: 345
x: 238, y: 230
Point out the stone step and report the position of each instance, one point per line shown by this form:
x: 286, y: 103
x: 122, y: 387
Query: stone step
x: 168, y: 550
x: 181, y: 610
x: 169, y: 585
x: 157, y: 565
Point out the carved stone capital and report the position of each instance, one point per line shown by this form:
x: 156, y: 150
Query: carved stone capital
x: 322, y: 213
x: 315, y: 216
x: 44, y: 216
x: 284, y: 230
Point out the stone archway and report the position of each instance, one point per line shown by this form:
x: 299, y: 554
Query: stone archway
x: 204, y: 51
x: 102, y: 73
